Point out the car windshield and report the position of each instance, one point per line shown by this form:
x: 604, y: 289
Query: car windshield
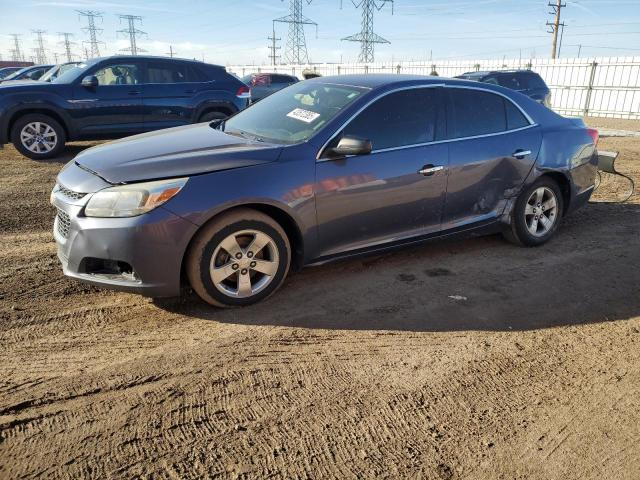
x: 18, y: 73
x: 293, y: 114
x: 72, y: 72
x: 57, y: 71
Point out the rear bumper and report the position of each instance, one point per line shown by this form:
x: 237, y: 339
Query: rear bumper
x: 152, y: 245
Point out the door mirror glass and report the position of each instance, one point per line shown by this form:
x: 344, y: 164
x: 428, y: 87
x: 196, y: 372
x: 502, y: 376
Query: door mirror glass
x: 90, y: 81
x: 350, y: 145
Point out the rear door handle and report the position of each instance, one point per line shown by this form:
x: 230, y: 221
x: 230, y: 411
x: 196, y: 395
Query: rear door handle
x: 134, y: 92
x: 189, y: 91
x: 429, y: 170
x: 520, y: 154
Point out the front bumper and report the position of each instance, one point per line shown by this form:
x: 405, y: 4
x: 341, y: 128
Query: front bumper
x: 152, y: 244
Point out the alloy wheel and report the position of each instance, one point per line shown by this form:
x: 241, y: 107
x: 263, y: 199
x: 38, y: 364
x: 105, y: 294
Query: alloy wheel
x: 244, y: 263
x: 541, y: 211
x: 38, y: 137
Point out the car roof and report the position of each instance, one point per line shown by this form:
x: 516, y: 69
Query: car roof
x: 152, y: 57
x: 380, y: 80
x: 493, y: 72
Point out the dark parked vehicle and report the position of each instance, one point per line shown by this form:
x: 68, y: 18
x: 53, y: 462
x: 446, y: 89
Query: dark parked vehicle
x: 6, y: 71
x: 58, y: 70
x: 27, y: 74
x: 326, y: 168
x: 114, y: 97
x: 524, y: 81
x: 262, y: 85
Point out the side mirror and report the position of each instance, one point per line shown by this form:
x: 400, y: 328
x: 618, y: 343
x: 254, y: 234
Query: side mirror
x: 90, y: 81
x: 349, y: 145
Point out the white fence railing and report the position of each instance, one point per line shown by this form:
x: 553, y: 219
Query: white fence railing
x: 599, y: 86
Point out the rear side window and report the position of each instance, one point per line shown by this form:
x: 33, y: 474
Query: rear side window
x: 281, y: 79
x: 534, y: 80
x: 164, y: 72
x: 475, y: 112
x: 399, y: 119
x: 511, y: 81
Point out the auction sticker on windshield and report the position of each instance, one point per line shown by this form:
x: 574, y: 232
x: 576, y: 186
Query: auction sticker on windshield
x: 303, y: 115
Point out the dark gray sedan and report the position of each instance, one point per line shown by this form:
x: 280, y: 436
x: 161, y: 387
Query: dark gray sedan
x: 324, y: 169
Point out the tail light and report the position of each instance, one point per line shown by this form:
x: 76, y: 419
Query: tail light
x: 593, y: 133
x: 243, y: 92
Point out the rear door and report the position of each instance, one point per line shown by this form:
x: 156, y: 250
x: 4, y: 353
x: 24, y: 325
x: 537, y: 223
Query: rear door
x: 382, y: 197
x: 492, y: 150
x: 168, y: 94
x: 114, y: 107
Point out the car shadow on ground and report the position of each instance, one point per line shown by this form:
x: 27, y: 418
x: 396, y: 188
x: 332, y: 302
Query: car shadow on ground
x: 70, y: 152
x: 589, y: 273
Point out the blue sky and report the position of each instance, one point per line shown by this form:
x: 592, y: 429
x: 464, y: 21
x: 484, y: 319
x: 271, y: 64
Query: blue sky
x: 226, y: 32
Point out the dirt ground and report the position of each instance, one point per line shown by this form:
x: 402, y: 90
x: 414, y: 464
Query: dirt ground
x: 360, y: 369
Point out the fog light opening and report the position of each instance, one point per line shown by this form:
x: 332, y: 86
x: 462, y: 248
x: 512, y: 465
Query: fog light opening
x: 114, y: 269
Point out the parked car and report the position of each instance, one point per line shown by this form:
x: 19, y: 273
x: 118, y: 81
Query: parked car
x: 524, y: 81
x: 27, y: 74
x: 57, y: 70
x: 113, y: 97
x: 326, y: 168
x: 6, y: 71
x: 262, y: 85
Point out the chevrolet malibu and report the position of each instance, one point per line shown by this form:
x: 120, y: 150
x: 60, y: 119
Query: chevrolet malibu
x: 324, y: 169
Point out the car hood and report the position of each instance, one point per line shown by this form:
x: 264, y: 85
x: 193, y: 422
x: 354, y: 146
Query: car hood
x: 174, y: 152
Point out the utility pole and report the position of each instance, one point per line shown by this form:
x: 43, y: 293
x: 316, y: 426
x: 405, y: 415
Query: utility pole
x: 41, y: 56
x: 555, y: 25
x: 296, y: 50
x: 273, y: 47
x: 132, y: 32
x: 16, y: 53
x: 171, y: 53
x: 367, y: 38
x: 92, y: 30
x: 67, y: 45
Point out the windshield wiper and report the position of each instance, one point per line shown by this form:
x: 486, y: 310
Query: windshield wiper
x: 244, y: 134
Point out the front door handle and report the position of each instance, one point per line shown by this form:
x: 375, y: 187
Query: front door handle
x: 134, y: 92
x: 520, y: 154
x: 429, y: 170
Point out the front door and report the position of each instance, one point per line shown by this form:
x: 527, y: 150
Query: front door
x: 395, y: 192
x: 112, y: 108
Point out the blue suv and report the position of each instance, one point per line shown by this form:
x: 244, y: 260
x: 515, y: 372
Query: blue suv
x: 114, y: 97
x: 526, y: 82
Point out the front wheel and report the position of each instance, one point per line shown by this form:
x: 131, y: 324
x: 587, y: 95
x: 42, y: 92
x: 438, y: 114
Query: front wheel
x: 536, y: 214
x: 38, y: 136
x: 238, y: 259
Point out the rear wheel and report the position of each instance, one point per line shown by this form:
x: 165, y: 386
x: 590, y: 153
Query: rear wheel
x: 38, y: 136
x: 536, y: 214
x: 238, y: 259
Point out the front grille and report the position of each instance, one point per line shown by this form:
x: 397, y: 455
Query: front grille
x: 70, y: 193
x: 64, y: 223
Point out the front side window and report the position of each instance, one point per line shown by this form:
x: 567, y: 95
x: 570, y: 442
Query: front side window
x: 293, y: 114
x: 476, y: 112
x: 166, y: 73
x: 124, y: 74
x: 400, y: 119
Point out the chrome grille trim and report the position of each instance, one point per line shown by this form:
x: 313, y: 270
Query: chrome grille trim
x: 70, y: 193
x: 64, y: 223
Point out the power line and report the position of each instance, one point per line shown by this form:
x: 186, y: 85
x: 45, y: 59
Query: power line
x: 132, y: 32
x: 67, y: 45
x: 93, y: 31
x: 273, y: 48
x: 16, y: 54
x: 296, y: 49
x: 555, y: 26
x: 367, y: 37
x: 41, y: 56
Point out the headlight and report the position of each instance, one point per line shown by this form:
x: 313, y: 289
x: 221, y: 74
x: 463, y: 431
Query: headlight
x: 132, y: 200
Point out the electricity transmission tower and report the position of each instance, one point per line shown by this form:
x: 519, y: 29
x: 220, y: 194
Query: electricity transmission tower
x: 92, y: 30
x: 67, y: 45
x: 296, y: 49
x: 132, y: 32
x: 273, y: 47
x: 555, y: 25
x: 16, y: 53
x: 41, y: 56
x: 367, y: 37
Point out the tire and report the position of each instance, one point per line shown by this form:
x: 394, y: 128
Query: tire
x: 211, y: 116
x: 39, y: 128
x: 209, y: 249
x: 528, y: 211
